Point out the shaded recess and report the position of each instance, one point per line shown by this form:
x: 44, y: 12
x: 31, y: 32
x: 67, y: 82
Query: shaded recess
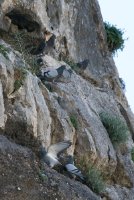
x: 23, y: 20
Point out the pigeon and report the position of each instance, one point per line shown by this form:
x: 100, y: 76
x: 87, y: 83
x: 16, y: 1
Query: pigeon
x: 50, y: 157
x: 40, y: 49
x: 47, y: 39
x: 72, y: 169
x: 83, y: 65
x: 52, y: 74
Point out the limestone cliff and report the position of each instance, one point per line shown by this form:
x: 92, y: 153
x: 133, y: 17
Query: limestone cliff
x: 33, y: 112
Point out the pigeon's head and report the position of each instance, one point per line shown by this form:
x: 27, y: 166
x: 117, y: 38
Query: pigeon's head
x: 62, y: 68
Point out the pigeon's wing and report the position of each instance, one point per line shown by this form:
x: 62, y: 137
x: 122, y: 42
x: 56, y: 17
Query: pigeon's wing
x: 52, y: 73
x: 74, y: 170
x: 58, y: 148
x: 66, y: 73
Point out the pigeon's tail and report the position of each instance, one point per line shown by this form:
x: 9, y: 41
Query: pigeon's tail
x: 74, y: 171
x: 78, y: 173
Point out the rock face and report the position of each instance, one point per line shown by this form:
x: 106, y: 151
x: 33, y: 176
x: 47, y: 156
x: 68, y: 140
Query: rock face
x: 34, y: 112
x: 23, y: 178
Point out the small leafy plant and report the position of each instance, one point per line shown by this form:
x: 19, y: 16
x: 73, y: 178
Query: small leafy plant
x: 94, y: 180
x: 43, y: 177
x: 73, y: 119
x: 115, y: 40
x: 115, y: 127
x: 4, y: 51
x: 19, y: 76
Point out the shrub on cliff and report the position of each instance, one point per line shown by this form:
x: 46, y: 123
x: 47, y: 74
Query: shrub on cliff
x: 73, y: 119
x: 4, y: 51
x: 94, y: 180
x: 115, y: 127
x: 115, y: 39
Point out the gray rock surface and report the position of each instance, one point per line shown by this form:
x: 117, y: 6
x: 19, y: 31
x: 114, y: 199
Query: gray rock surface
x: 34, y: 112
x: 23, y: 179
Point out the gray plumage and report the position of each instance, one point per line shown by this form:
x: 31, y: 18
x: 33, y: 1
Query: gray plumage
x: 72, y: 169
x: 83, y: 65
x: 40, y: 49
x: 50, y: 157
x: 52, y: 74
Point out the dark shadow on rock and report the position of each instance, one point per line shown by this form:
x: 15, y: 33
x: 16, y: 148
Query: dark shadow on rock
x: 23, y: 21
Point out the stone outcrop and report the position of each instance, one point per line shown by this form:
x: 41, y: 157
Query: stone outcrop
x: 35, y: 112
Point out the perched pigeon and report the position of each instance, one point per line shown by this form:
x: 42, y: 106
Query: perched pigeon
x: 83, y: 65
x: 47, y: 40
x: 72, y: 169
x: 40, y: 49
x: 52, y: 74
x: 50, y: 156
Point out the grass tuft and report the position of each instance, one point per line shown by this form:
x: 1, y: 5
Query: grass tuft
x: 94, y: 180
x: 73, y: 119
x: 116, y: 128
x: 4, y: 51
x: 19, y: 76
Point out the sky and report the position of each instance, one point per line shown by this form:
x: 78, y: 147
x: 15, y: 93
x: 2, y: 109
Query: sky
x: 121, y: 13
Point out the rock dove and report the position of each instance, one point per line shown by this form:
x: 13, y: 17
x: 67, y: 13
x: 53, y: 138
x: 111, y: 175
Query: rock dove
x: 40, y: 49
x: 72, y: 169
x: 83, y: 65
x: 52, y: 74
x: 43, y: 43
x: 50, y: 156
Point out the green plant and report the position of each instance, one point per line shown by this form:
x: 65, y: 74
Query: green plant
x: 19, y: 76
x: 73, y: 119
x: 4, y: 51
x: 115, y: 127
x: 43, y: 176
x: 94, y: 180
x: 23, y: 43
x: 115, y: 40
x: 132, y: 154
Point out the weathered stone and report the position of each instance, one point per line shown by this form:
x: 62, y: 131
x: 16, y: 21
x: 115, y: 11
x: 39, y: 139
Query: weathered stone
x: 23, y: 179
x: 69, y: 108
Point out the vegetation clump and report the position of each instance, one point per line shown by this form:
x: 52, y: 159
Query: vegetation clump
x: 19, y: 76
x: 115, y: 40
x: 115, y: 127
x: 73, y: 119
x: 42, y: 176
x: 4, y: 51
x: 94, y: 180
